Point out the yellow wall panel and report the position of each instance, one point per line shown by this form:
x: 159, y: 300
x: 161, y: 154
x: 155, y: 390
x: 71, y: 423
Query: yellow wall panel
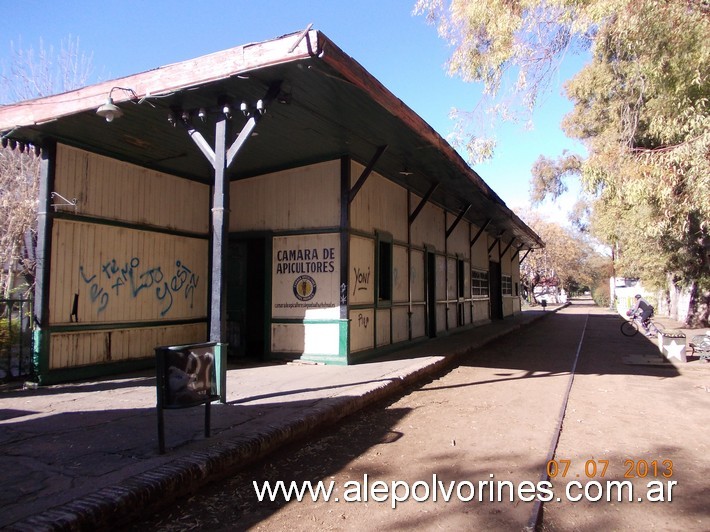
x: 383, y: 334
x: 380, y: 205
x: 125, y: 275
x: 418, y: 321
x: 480, y: 311
x: 361, y: 277
x: 479, y: 251
x: 417, y: 276
x: 399, y: 274
x: 116, y: 190
x: 428, y: 228
x: 458, y: 241
x: 400, y: 324
x: 299, y: 198
x: 82, y: 348
x: 362, y: 327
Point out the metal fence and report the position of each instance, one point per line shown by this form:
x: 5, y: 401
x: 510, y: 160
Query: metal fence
x: 15, y: 339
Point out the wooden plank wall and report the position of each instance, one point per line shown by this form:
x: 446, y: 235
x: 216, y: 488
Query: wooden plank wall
x: 125, y: 275
x: 380, y: 206
x: 300, y: 198
x: 113, y: 190
x: 123, y: 261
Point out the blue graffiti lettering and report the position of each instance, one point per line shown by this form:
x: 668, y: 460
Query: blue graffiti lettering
x: 136, y: 282
x: 95, y: 291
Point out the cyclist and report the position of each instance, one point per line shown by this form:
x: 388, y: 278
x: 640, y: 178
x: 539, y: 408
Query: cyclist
x: 643, y: 311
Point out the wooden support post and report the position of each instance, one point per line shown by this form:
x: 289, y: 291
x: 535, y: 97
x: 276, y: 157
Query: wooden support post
x: 220, y: 231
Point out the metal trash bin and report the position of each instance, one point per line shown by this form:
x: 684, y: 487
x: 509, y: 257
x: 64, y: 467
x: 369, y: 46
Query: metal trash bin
x: 671, y: 344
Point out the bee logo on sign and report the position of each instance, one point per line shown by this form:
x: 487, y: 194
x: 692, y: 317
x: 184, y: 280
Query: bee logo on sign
x: 304, y: 288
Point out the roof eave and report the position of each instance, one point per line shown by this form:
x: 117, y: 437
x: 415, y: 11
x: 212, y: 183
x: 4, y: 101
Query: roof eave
x: 163, y: 80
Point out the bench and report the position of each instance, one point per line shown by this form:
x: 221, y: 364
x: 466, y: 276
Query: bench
x: 701, y: 345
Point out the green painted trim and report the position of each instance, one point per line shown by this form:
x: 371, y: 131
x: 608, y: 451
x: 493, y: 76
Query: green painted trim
x: 344, y: 345
x: 308, y: 321
x: 127, y: 225
x: 40, y: 353
x: 121, y: 325
x: 328, y: 359
x: 220, y: 358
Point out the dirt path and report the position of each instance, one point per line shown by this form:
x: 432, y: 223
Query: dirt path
x: 492, y: 419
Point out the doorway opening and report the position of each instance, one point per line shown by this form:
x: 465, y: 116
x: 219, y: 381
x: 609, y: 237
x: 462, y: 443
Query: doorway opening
x: 246, y: 298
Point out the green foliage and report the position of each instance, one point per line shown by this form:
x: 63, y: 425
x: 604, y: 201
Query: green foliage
x: 641, y: 106
x: 601, y: 295
x: 568, y: 259
x: 9, y: 333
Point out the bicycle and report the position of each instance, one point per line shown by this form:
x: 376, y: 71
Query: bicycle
x: 631, y: 327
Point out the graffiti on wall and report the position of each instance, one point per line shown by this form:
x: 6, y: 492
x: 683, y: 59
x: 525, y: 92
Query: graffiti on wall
x: 130, y: 279
x: 362, y: 279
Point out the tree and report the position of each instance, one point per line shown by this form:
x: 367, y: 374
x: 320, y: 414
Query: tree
x: 641, y: 106
x: 30, y: 74
x: 568, y: 261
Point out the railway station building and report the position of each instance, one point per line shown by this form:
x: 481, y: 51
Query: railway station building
x: 273, y: 198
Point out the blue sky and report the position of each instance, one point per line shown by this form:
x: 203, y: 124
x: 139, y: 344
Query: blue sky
x: 401, y: 50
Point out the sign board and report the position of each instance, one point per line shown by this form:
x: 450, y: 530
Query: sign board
x: 306, y: 276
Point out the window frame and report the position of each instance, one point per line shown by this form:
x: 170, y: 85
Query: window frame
x: 480, y: 284
x: 506, y: 285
